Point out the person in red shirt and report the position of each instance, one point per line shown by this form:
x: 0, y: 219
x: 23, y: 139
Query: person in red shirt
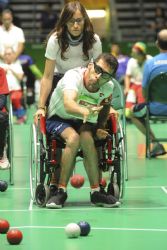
x: 4, y: 91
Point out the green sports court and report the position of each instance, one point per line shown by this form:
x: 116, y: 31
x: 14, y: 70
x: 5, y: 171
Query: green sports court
x: 140, y: 222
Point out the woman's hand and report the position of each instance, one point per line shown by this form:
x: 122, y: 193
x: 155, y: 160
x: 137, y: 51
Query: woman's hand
x: 40, y: 112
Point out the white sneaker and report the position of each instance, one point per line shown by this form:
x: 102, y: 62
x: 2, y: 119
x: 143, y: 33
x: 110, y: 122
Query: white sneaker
x: 4, y: 163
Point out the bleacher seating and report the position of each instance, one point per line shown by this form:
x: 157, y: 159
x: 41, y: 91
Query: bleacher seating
x: 29, y: 14
x: 134, y: 18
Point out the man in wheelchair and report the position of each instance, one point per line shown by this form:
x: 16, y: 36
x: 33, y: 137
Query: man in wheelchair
x: 78, y: 112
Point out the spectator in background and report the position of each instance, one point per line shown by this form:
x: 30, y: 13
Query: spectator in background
x: 10, y: 35
x: 4, y: 4
x: 159, y: 20
x: 122, y: 62
x: 14, y: 75
x: 134, y: 76
x: 31, y: 74
x: 152, y: 68
x: 4, y: 120
x: 48, y: 19
x: 16, y: 19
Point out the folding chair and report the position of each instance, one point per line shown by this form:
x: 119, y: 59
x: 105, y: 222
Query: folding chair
x: 155, y: 92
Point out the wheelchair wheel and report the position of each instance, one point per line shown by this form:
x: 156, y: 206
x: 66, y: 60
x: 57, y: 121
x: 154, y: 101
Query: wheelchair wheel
x: 42, y: 195
x: 123, y: 159
x: 113, y: 187
x: 10, y: 144
x: 116, y: 185
x: 34, y: 161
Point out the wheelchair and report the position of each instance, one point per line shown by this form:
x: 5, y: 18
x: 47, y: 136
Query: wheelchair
x: 45, y: 154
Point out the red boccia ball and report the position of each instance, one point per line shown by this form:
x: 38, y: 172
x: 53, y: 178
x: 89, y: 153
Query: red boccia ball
x: 77, y: 180
x: 4, y: 226
x: 14, y: 236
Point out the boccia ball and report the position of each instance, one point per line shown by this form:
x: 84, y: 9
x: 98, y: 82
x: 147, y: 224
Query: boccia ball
x: 4, y: 226
x: 84, y: 227
x: 14, y: 236
x: 72, y: 230
x: 3, y: 185
x: 77, y: 180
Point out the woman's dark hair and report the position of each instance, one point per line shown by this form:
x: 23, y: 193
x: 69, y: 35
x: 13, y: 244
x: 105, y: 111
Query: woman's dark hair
x: 61, y: 28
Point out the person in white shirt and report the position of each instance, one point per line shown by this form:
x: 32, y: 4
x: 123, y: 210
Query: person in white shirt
x: 10, y: 35
x: 14, y: 75
x: 133, y: 78
x: 71, y: 44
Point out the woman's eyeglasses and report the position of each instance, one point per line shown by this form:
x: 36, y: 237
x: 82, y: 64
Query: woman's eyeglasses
x: 99, y: 70
x: 79, y: 21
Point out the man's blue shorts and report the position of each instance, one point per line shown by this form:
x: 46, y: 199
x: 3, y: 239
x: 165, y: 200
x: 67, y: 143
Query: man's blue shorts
x: 56, y: 125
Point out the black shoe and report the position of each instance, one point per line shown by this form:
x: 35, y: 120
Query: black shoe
x: 158, y: 150
x: 53, y: 190
x: 103, y: 200
x: 102, y: 190
x: 57, y: 201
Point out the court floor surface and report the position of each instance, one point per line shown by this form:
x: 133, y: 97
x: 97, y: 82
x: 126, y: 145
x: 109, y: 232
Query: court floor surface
x: 139, y: 223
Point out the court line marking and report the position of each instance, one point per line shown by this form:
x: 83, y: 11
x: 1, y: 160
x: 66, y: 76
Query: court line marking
x: 81, y: 209
x: 98, y: 228
x: 24, y: 188
x: 164, y: 189
x: 30, y: 205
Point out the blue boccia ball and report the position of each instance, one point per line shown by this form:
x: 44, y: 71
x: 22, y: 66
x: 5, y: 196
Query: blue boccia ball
x: 3, y: 186
x: 85, y: 228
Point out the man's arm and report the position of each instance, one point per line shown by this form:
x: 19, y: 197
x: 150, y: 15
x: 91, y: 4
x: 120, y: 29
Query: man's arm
x: 127, y: 83
x: 46, y: 82
x: 103, y: 116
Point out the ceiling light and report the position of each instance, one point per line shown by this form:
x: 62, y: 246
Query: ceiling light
x: 96, y: 13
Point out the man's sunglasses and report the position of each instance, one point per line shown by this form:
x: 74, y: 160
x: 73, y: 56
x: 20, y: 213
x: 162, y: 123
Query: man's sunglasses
x: 99, y: 70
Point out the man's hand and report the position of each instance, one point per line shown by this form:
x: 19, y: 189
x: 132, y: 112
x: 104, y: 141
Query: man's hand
x: 95, y: 110
x: 40, y: 112
x: 89, y: 110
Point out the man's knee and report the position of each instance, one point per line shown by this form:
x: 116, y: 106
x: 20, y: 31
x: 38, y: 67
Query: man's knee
x: 73, y: 140
x: 87, y: 139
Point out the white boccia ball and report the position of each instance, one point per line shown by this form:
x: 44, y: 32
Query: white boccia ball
x: 72, y: 230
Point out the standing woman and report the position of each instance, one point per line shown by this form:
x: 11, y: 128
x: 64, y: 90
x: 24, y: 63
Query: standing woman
x: 71, y: 44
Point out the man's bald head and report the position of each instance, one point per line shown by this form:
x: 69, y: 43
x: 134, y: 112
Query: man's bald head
x: 162, y: 39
